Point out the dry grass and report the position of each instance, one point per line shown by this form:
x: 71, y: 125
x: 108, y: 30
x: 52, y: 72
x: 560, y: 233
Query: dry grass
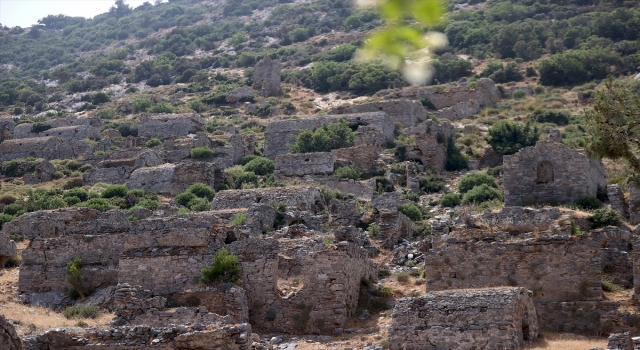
x: 567, y: 342
x: 31, y: 319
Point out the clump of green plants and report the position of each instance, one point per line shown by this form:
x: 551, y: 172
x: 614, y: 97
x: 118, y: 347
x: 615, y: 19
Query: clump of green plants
x: 348, y: 172
x: 609, y: 286
x: 412, y: 211
x: 481, y: 194
x: 238, y: 219
x: 588, y: 203
x: 432, y: 182
x: 260, y: 166
x: 605, y: 217
x: 468, y: 182
x: 324, y: 139
x: 81, y: 312
x: 373, y: 229
x: 74, y: 278
x: 224, y: 269
x: 507, y: 137
x: 115, y: 191
x: 450, y: 200
x: 549, y: 116
x: 237, y: 177
x: 202, y: 152
x: 197, y: 197
x: 455, y: 160
x: 39, y: 127
x: 153, y: 142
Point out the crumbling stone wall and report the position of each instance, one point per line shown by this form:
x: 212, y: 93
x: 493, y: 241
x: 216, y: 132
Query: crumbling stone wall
x: 211, y: 333
x: 460, y: 110
x: 73, y: 133
x: 431, y: 143
x: 406, y: 112
x: 368, y: 144
x: 165, y: 126
x: 43, y: 147
x: 6, y: 128
x: 550, y: 172
x: 294, y: 165
x: 394, y: 226
x: 266, y: 77
x: 492, y: 318
x: 281, y: 133
x: 7, y: 249
x: 360, y: 189
x: 447, y: 95
x: 173, y: 179
x: 43, y: 172
x: 617, y: 200
x: 300, y: 198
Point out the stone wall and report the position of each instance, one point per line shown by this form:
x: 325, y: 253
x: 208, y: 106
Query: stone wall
x: 368, y: 144
x: 360, y: 189
x: 447, y: 95
x: 173, y: 179
x: 281, y: 133
x: 294, y: 165
x: 394, y: 226
x: 492, y: 318
x: 550, y: 172
x: 43, y: 147
x: 266, y: 77
x: 7, y: 249
x: 431, y: 143
x: 406, y: 112
x: 299, y: 198
x: 73, y: 133
x: 165, y: 126
x: 117, y: 175
x: 211, y: 333
x: 9, y: 339
x: 7, y: 124
x: 458, y: 111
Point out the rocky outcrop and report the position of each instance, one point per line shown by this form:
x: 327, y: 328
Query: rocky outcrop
x: 266, y: 77
x: 406, y: 112
x: 431, y: 143
x: 43, y: 172
x: 239, y: 94
x: 173, y: 179
x: 48, y: 148
x: 296, y: 165
x: 8, y: 337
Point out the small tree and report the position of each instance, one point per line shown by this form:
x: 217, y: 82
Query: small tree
x: 472, y: 180
x: 507, y: 137
x: 412, y: 211
x: 260, y: 166
x: 324, y: 139
x: 74, y: 277
x: 224, y: 269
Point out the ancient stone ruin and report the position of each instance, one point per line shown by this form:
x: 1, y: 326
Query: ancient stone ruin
x: 266, y: 77
x: 493, y: 318
x: 551, y: 172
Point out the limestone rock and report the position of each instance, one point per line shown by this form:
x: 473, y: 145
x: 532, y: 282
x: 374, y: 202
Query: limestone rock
x: 239, y: 93
x: 165, y: 126
x: 405, y: 112
x: 8, y: 337
x: 43, y: 173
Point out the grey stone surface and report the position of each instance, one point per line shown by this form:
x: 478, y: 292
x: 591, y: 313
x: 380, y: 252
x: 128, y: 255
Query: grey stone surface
x: 431, y: 143
x: 296, y: 165
x: 266, y: 77
x: 43, y: 172
x: 165, y: 126
x: 298, y: 198
x: 73, y: 133
x: 239, y: 93
x: 550, y: 172
x: 492, y: 318
x: 43, y: 147
x: 9, y: 339
x: 406, y: 112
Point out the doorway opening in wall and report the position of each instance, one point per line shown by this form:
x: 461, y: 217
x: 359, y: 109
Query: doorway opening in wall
x: 525, y: 332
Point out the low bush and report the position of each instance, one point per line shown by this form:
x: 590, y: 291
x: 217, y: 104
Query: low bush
x: 481, y: 194
x: 450, y: 200
x: 589, y: 203
x: 199, y: 204
x: 546, y: 116
x: 73, y: 183
x: 97, y: 204
x: 412, y: 211
x: 75, y: 279
x: 184, y: 198
x: 81, y: 312
x: 605, y: 217
x: 238, y: 219
x: 202, y: 191
x: 507, y: 137
x: 246, y: 159
x: 39, y: 127
x: 202, y: 152
x: 455, y: 160
x: 324, y: 139
x: 13, y: 210
x: 153, y: 142
x: 260, y: 166
x: 373, y: 229
x: 224, y: 269
x: 115, y: 191
x: 348, y: 172
x: 472, y: 180
x: 432, y: 183
x: 81, y: 194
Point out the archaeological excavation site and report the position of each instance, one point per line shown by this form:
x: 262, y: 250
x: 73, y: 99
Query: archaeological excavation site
x: 274, y: 175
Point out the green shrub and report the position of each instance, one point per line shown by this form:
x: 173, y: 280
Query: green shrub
x: 605, y: 217
x: 81, y: 312
x: 519, y: 93
x: 472, y: 180
x: 324, y: 139
x: 480, y: 194
x: 238, y: 219
x: 450, y: 200
x: 224, y: 269
x: 39, y: 127
x: 72, y: 200
x: 507, y: 137
x: 162, y: 107
x: 73, y: 183
x: 13, y: 210
x: 141, y: 104
x: 348, y: 172
x: 412, y: 211
x: 201, y: 190
x: 609, y: 286
x: 4, y: 218
x: 531, y: 72
x: 100, y: 98
x: 77, y: 192
x: 260, y: 166
x: 455, y: 160
x: 153, y: 142
x: 500, y: 73
x: 426, y: 102
x: 184, y: 198
x: 98, y: 204
x: 202, y: 152
x: 199, y: 204
x: 373, y: 229
x: 115, y: 191
x: 589, y: 203
x: 106, y: 114
x: 245, y: 177
x: 545, y: 116
x: 197, y: 106
x: 246, y: 159
x: 75, y: 279
x: 432, y: 183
